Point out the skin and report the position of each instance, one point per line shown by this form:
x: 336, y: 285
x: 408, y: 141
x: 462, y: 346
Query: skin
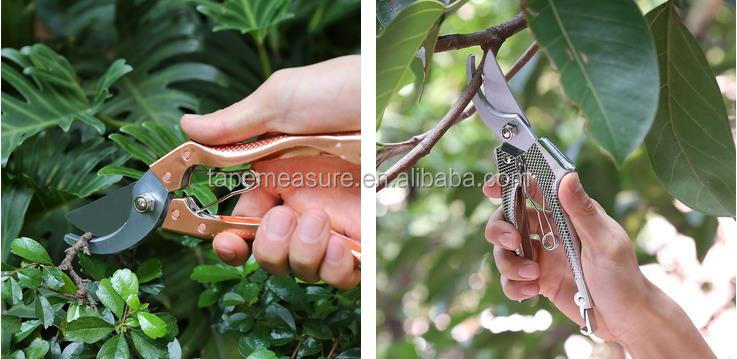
x: 295, y: 233
x: 629, y: 309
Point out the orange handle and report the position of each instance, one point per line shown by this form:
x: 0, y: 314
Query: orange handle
x: 181, y: 218
x: 174, y: 169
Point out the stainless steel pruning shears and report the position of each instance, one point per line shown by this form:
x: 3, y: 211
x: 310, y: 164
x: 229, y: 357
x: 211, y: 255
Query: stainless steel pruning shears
x: 123, y: 218
x: 524, y: 160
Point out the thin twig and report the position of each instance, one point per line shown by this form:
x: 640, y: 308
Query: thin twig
x: 492, y: 37
x: 390, y: 150
x: 66, y: 265
x: 427, y: 143
x: 296, y: 349
x: 335, y: 346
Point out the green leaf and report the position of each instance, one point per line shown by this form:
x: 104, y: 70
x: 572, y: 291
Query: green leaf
x: 286, y: 288
x: 231, y: 298
x: 214, y: 273
x: 53, y: 277
x: 149, y: 270
x: 606, y: 58
x: 208, y: 297
x: 258, y: 339
x: 110, y: 297
x: 94, y: 266
x: 30, y: 277
x: 318, y: 329
x: 253, y: 16
x: 133, y: 302
x: 16, y: 291
x: 30, y: 250
x: 61, y: 169
x: 402, y: 38
x: 77, y: 311
x: 44, y: 311
x: 114, y: 348
x: 281, y: 336
x: 26, y: 328
x: 37, y: 349
x: 146, y: 347
x: 280, y: 316
x: 113, y: 73
x: 51, y: 95
x: 153, y: 326
x: 262, y: 354
x: 353, y: 353
x: 15, y: 199
x: 249, y: 291
x: 174, y: 349
x: 10, y: 325
x: 157, y: 46
x: 310, y: 346
x: 125, y: 283
x: 172, y: 329
x: 690, y: 145
x: 87, y: 330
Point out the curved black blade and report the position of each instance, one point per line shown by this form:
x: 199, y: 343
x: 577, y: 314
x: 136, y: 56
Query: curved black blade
x: 105, y: 215
x: 136, y: 225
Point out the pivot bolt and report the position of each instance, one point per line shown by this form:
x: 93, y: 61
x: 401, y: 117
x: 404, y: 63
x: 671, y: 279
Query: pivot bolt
x: 508, y: 131
x: 144, y: 202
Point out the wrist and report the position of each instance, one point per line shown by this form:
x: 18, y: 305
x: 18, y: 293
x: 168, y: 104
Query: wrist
x: 649, y: 314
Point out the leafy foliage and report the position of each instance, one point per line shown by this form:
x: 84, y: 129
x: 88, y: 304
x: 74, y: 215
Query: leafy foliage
x: 438, y: 290
x: 253, y: 16
x: 104, y: 122
x: 57, y: 98
x: 693, y: 158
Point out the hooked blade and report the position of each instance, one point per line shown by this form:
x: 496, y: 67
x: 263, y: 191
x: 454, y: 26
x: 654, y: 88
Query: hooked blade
x: 497, y: 89
x: 105, y: 215
x: 136, y: 225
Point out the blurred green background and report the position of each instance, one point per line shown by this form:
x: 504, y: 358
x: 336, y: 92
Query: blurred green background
x: 438, y: 290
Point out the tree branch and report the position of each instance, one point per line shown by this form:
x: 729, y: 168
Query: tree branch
x: 393, y: 149
x: 492, y: 37
x: 427, y: 143
x: 66, y: 265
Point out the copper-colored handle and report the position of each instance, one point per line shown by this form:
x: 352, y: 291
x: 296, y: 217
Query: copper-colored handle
x: 181, y: 218
x: 173, y: 170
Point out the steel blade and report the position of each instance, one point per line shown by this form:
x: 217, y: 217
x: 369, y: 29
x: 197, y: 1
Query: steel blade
x: 105, y: 215
x: 137, y: 225
x: 497, y: 89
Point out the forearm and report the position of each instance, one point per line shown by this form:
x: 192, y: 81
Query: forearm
x: 665, y: 331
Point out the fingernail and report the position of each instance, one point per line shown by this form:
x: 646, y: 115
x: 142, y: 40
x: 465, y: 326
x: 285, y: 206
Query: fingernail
x: 278, y: 224
x: 507, y: 240
x: 191, y: 116
x: 529, y: 289
x: 226, y: 254
x: 575, y: 185
x: 311, y: 227
x: 334, y: 253
x: 529, y: 271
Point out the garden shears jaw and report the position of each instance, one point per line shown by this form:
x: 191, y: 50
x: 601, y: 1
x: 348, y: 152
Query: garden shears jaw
x: 123, y: 218
x: 524, y: 160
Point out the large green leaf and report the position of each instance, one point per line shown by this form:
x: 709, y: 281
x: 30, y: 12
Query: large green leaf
x: 399, y: 43
x: 690, y: 145
x: 114, y: 348
x: 60, y: 169
x: 155, y: 49
x: 246, y: 16
x: 87, y: 330
x: 15, y: 200
x: 51, y: 95
x: 30, y: 250
x: 607, y: 63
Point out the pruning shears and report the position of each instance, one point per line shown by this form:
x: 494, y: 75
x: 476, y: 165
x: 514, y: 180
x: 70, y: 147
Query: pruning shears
x: 524, y: 160
x: 123, y: 218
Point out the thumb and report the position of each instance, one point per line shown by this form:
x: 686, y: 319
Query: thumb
x: 242, y: 120
x: 586, y: 215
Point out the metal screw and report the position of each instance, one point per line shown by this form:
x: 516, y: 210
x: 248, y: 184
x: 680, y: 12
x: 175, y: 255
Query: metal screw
x: 144, y: 203
x: 508, y: 131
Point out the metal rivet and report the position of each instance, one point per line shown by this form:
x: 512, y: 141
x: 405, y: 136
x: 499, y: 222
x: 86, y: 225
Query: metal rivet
x: 167, y: 177
x: 175, y: 214
x: 144, y: 203
x: 186, y: 155
x: 201, y: 228
x: 508, y: 131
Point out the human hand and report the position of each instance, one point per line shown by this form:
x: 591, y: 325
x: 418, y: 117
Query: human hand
x: 295, y: 231
x: 628, y: 308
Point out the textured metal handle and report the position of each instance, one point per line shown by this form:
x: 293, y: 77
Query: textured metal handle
x: 548, y: 166
x: 173, y: 170
x: 514, y: 204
